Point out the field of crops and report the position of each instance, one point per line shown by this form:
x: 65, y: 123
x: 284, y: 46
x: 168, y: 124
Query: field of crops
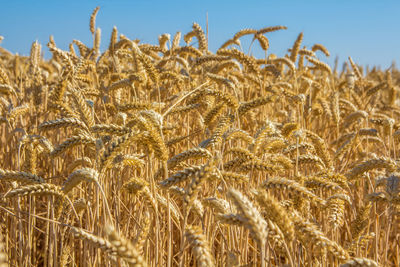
x: 169, y: 154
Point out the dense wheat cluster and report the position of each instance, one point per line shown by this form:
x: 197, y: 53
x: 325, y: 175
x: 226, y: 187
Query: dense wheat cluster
x: 172, y: 155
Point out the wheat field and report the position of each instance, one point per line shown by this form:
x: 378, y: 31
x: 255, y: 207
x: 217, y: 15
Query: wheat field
x: 169, y: 154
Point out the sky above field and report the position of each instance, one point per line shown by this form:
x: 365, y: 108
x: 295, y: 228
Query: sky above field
x: 368, y: 31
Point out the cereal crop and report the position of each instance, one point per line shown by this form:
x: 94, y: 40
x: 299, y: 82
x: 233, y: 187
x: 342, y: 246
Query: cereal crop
x: 169, y: 154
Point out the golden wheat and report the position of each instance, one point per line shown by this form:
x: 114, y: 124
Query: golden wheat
x: 198, y: 157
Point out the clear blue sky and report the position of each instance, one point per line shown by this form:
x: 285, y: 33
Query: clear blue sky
x: 366, y: 30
